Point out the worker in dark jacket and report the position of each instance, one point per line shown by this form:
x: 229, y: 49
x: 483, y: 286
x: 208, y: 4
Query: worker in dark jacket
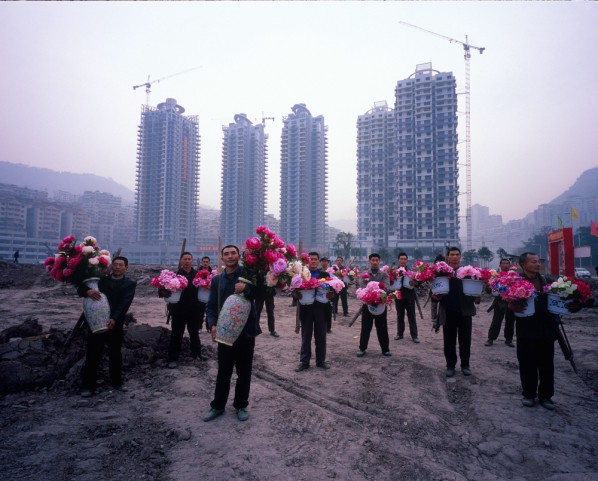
x: 120, y: 291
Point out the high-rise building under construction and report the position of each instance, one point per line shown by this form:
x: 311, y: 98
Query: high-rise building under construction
x: 427, y: 186
x: 167, y: 174
x: 303, y: 179
x: 244, y: 180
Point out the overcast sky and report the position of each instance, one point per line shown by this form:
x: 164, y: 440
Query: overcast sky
x: 67, y: 71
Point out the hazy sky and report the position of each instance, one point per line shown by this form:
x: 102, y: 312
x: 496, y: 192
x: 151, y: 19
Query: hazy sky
x: 67, y: 71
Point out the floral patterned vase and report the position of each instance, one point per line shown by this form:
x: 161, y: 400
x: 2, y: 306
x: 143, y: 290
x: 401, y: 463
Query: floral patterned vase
x: 232, y: 319
x: 97, y: 313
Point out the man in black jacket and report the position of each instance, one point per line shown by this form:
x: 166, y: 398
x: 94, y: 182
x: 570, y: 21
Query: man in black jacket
x: 240, y: 354
x: 120, y: 291
x: 455, y: 311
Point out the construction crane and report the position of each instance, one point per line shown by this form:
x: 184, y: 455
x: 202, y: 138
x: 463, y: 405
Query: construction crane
x: 267, y: 118
x: 467, y: 55
x: 148, y: 84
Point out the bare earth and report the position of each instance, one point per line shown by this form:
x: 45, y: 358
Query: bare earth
x: 370, y: 418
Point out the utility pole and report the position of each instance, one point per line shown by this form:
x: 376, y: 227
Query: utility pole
x: 467, y: 55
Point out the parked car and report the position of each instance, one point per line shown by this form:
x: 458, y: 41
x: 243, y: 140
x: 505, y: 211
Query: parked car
x: 582, y: 272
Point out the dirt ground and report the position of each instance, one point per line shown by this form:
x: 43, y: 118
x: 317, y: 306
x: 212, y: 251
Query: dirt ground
x: 370, y: 418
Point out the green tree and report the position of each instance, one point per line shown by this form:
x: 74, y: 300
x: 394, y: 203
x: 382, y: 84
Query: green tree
x: 417, y: 254
x: 469, y: 257
x: 501, y: 253
x: 343, y: 241
x: 538, y: 243
x: 485, y: 255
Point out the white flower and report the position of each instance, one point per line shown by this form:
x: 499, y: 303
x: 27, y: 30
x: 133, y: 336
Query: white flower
x: 305, y: 274
x: 94, y: 261
x: 90, y: 240
x: 88, y: 250
x: 104, y: 252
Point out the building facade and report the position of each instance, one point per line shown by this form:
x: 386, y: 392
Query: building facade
x: 244, y: 181
x: 303, y: 179
x: 427, y: 205
x: 167, y: 175
x: 377, y: 177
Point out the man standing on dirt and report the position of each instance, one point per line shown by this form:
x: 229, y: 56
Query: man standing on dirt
x: 535, y: 339
x: 120, y: 291
x: 313, y: 318
x: 406, y: 304
x: 325, y: 265
x: 342, y: 295
x: 240, y: 354
x: 455, y: 311
x: 367, y: 318
x: 205, y: 265
x: 500, y: 312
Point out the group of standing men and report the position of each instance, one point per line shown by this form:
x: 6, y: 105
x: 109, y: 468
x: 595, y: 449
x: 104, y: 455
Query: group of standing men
x: 535, y: 335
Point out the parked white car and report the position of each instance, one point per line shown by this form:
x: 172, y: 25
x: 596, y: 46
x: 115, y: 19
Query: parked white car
x: 582, y: 272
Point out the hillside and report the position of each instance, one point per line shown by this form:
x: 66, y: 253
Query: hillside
x: 584, y: 186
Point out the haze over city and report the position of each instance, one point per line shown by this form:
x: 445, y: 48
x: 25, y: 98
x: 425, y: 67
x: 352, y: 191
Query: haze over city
x: 69, y: 68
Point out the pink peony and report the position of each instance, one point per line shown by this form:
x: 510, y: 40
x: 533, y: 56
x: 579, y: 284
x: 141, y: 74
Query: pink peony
x: 253, y: 243
x: 272, y: 256
x: 278, y: 267
x: 291, y: 250
x: 250, y: 259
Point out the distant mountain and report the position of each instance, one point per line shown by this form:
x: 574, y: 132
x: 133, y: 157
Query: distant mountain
x: 585, y: 186
x: 52, y: 181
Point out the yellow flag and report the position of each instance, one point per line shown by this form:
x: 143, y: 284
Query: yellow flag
x: 574, y: 214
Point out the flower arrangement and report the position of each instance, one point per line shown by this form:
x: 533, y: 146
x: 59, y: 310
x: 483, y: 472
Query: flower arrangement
x: 333, y: 283
x: 170, y: 281
x: 203, y: 279
x: 423, y: 272
x: 352, y: 273
x: 374, y: 294
x: 266, y: 259
x: 299, y: 283
x: 472, y: 272
x: 501, y: 282
x: 75, y: 263
x: 441, y: 269
x: 566, y: 288
x: 518, y: 290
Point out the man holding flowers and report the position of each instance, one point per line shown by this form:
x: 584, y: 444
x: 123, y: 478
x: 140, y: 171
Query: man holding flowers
x: 375, y: 274
x: 406, y: 303
x: 500, y: 312
x: 120, y: 291
x: 455, y: 311
x: 313, y: 318
x: 535, y: 339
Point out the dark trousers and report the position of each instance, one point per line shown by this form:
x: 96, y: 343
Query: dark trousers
x: 406, y: 305
x: 329, y: 310
x: 113, y: 340
x: 178, y: 324
x: 201, y: 313
x: 342, y: 295
x: 259, y: 306
x: 367, y: 322
x: 497, y: 317
x: 457, y: 327
x: 536, y: 363
x: 313, y: 323
x: 239, y: 356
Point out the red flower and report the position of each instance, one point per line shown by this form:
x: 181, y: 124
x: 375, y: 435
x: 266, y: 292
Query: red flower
x: 103, y: 261
x: 272, y: 256
x: 253, y: 243
x: 291, y: 250
x: 49, y: 263
x: 250, y: 259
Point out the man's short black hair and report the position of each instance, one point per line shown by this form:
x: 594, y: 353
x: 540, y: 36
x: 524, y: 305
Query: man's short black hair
x: 228, y: 247
x: 314, y: 253
x: 401, y: 254
x: 340, y: 257
x: 523, y: 257
x: 186, y: 254
x: 121, y: 258
x: 204, y: 258
x: 325, y: 259
x: 374, y: 254
x: 452, y: 249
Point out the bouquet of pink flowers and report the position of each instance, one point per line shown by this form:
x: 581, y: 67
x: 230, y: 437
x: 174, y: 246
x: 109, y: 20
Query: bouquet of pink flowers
x: 402, y: 272
x: 502, y: 281
x: 203, y: 279
x: 170, y: 281
x: 519, y: 290
x: 441, y: 268
x: 75, y: 263
x: 265, y: 254
x: 423, y: 272
x: 352, y: 272
x: 299, y: 283
x: 473, y: 272
x: 374, y: 294
x: 333, y: 282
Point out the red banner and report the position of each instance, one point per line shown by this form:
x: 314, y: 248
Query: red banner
x: 594, y: 229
